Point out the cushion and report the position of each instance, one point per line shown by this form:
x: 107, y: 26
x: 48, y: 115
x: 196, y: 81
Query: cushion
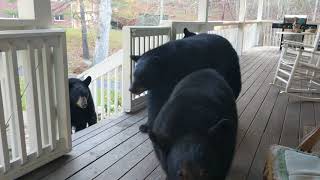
x: 291, y: 164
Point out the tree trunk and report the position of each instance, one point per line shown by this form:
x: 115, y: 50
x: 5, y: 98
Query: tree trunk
x: 315, y: 11
x: 102, y: 43
x: 85, y: 49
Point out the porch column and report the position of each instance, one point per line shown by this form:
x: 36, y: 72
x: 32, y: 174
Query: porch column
x: 38, y: 10
x: 259, y: 27
x: 203, y: 8
x: 242, y: 14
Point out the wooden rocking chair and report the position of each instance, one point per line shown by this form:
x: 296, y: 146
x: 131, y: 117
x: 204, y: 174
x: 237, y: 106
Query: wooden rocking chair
x: 298, y: 70
x: 294, y: 164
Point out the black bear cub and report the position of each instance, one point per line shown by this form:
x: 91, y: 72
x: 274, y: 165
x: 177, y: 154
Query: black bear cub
x: 160, y: 69
x: 81, y: 104
x: 194, y: 134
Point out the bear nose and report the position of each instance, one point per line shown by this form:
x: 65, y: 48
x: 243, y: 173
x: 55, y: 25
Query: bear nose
x: 136, y: 90
x: 84, y: 102
x: 84, y: 105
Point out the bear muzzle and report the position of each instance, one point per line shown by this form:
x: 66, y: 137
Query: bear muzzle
x: 137, y: 90
x: 82, y: 102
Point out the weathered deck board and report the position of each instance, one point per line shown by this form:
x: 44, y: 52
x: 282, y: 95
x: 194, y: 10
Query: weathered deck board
x: 271, y: 135
x: 115, y: 149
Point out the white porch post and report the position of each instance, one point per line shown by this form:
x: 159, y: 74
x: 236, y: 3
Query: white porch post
x: 38, y: 10
x: 242, y: 14
x: 126, y: 70
x: 259, y: 24
x: 203, y: 8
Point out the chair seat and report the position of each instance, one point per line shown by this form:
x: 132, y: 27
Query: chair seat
x: 285, y: 163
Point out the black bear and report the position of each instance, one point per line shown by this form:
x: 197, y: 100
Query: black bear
x: 187, y: 33
x: 194, y: 134
x: 81, y: 104
x: 160, y: 69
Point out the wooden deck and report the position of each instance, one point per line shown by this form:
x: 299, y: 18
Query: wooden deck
x: 115, y: 149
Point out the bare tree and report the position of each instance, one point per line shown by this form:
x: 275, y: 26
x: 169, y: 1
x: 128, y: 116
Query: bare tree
x: 85, y: 48
x: 102, y: 43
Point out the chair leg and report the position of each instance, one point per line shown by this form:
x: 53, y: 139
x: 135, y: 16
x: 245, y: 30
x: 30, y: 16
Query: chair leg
x: 283, y: 53
x: 293, y: 71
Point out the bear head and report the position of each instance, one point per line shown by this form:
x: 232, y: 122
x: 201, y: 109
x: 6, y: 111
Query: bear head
x: 146, y: 69
x: 196, y: 157
x: 79, y: 92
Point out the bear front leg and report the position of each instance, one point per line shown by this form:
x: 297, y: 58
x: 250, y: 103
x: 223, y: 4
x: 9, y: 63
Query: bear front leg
x: 93, y: 115
x: 93, y: 119
x: 80, y: 126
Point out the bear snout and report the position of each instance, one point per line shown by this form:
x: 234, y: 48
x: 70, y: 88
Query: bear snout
x: 82, y: 102
x: 136, y: 90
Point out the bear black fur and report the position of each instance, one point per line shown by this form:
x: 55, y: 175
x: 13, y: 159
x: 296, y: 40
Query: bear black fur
x: 160, y: 69
x: 194, y: 134
x: 81, y: 104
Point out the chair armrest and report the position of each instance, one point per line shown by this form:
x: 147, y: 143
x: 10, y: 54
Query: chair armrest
x: 295, y: 43
x: 310, y: 52
x: 311, y: 139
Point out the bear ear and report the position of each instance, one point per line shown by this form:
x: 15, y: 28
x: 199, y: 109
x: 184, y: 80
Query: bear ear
x: 186, y: 31
x: 135, y: 58
x: 87, y: 81
x: 224, y: 125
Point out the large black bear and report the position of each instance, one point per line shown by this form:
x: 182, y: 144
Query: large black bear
x: 160, y: 69
x: 194, y: 134
x: 81, y: 104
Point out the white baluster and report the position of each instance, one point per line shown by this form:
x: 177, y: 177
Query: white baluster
x: 108, y: 94
x: 33, y: 103
x: 17, y: 116
x: 4, y: 151
x: 62, y: 91
x: 102, y: 97
x: 116, y: 79
x: 48, y: 84
x: 42, y: 98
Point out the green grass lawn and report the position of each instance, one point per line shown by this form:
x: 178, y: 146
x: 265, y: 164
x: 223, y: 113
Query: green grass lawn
x: 74, y: 38
x: 74, y: 46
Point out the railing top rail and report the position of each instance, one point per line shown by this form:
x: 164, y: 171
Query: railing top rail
x: 104, y: 67
x: 143, y: 31
x: 147, y: 27
x: 6, y: 23
x: 30, y: 33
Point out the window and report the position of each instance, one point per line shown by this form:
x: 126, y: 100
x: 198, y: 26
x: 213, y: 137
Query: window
x: 251, y: 9
x: 26, y: 13
x: 223, y: 10
x: 8, y: 9
x: 59, y: 17
x: 275, y: 10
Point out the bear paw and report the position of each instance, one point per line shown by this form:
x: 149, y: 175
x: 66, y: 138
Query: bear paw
x: 144, y: 128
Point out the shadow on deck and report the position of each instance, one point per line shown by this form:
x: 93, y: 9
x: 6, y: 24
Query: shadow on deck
x: 115, y: 149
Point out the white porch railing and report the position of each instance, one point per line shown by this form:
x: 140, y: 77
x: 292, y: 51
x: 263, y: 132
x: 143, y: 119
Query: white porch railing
x: 34, y: 100
x: 106, y: 85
